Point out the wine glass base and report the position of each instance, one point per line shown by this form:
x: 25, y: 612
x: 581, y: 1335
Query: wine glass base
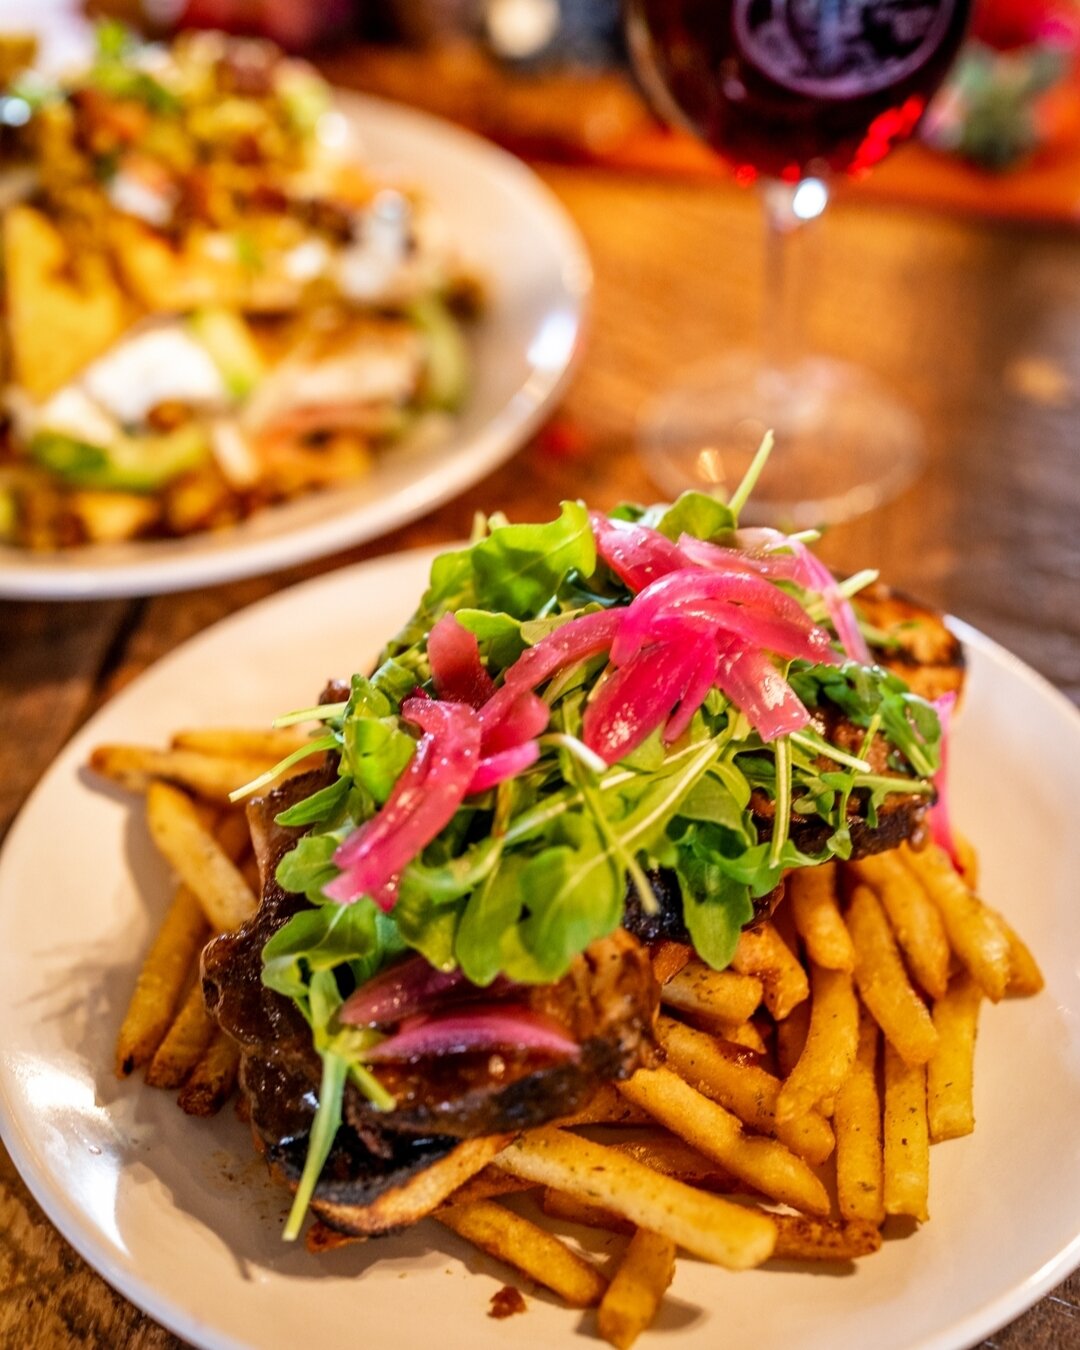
x: 844, y: 444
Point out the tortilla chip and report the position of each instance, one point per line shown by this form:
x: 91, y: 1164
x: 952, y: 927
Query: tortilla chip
x: 62, y: 311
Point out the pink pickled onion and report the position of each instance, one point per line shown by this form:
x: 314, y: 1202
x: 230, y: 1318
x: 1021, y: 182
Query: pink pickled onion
x: 527, y: 716
x: 487, y: 1026
x: 940, y: 823
x: 691, y: 585
x: 636, y: 554
x: 495, y: 769
x: 422, y: 802
x: 761, y: 630
x: 799, y: 565
x: 572, y: 642
x: 409, y: 987
x: 456, y: 667
x: 634, y: 699
x: 755, y: 686
x: 701, y: 681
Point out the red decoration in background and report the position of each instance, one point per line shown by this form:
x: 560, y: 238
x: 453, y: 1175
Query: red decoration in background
x: 296, y: 25
x: 1007, y: 24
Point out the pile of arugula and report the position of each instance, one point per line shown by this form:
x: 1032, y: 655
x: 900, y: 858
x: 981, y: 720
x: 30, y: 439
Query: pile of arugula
x: 528, y: 874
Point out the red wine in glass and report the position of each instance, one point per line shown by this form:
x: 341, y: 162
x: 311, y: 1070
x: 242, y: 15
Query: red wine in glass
x: 790, y: 92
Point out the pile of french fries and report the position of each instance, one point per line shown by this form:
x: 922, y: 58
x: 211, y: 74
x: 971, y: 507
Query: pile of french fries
x: 792, y: 1111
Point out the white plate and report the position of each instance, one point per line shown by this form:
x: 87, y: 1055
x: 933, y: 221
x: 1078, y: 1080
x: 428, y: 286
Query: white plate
x: 516, y: 235
x: 178, y: 1214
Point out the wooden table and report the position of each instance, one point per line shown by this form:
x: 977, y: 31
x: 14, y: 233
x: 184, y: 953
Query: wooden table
x: 978, y: 326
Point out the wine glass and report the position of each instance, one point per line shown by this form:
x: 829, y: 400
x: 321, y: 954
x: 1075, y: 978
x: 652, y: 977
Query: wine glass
x: 791, y: 93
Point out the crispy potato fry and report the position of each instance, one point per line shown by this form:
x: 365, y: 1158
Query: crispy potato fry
x: 906, y: 1137
x: 763, y: 1163
x: 857, y: 1122
x: 799, y: 1238
x: 607, y: 1107
x: 527, y: 1247
x: 487, y: 1184
x: 950, y: 1107
x: 213, y: 1078
x: 830, y: 1046
x: 883, y: 983
x: 568, y: 1208
x: 764, y: 953
x: 194, y: 853
x: 744, y: 1035
x: 742, y: 1087
x: 1025, y: 977
x: 914, y: 917
x: 815, y: 909
x: 674, y: 1157
x: 668, y: 958
x: 968, y: 858
x: 211, y: 777
x: 974, y: 932
x: 161, y: 981
x: 719, y: 995
x: 705, y: 1224
x: 184, y: 1044
x: 634, y: 1295
x: 269, y: 744
x: 791, y: 1037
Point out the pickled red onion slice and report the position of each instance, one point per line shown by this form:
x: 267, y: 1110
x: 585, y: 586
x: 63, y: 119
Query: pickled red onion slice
x: 754, y: 685
x: 636, y: 554
x: 637, y: 697
x: 490, y: 1026
x: 495, y: 769
x: 422, y: 802
x: 527, y: 716
x: 701, y: 681
x: 456, y: 667
x: 399, y: 991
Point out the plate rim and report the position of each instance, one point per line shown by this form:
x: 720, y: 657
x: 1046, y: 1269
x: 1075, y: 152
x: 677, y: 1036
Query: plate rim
x: 26, y: 577
x: 76, y: 1225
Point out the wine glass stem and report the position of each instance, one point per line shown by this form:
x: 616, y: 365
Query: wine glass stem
x: 787, y: 207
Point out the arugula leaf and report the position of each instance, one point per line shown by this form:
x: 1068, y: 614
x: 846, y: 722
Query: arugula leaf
x: 309, y: 865
x: 699, y: 514
x: 318, y: 940
x: 322, y: 805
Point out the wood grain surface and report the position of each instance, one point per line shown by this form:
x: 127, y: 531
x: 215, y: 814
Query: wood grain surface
x: 978, y: 325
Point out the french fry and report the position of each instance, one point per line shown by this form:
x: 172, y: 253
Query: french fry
x: 815, y: 909
x: 950, y: 1106
x: 160, y: 984
x: 607, y: 1107
x: 974, y: 932
x: 1025, y: 977
x: 791, y: 1037
x: 883, y: 983
x: 719, y: 995
x: 674, y: 1157
x: 487, y: 1184
x: 197, y: 857
x: 668, y: 958
x: 211, y: 777
x: 527, y: 1247
x: 763, y: 952
x: 184, y: 1044
x: 745, y: 1035
x: 915, y: 919
x: 705, y: 1224
x: 800, y: 1238
x: 830, y: 1046
x: 634, y: 1295
x: 968, y: 858
x: 568, y: 1208
x: 269, y: 744
x: 906, y: 1138
x: 742, y: 1087
x: 212, y: 1079
x: 763, y: 1163
x: 857, y: 1122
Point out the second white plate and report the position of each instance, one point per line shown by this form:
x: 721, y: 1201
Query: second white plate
x: 178, y: 1213
x: 516, y: 235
